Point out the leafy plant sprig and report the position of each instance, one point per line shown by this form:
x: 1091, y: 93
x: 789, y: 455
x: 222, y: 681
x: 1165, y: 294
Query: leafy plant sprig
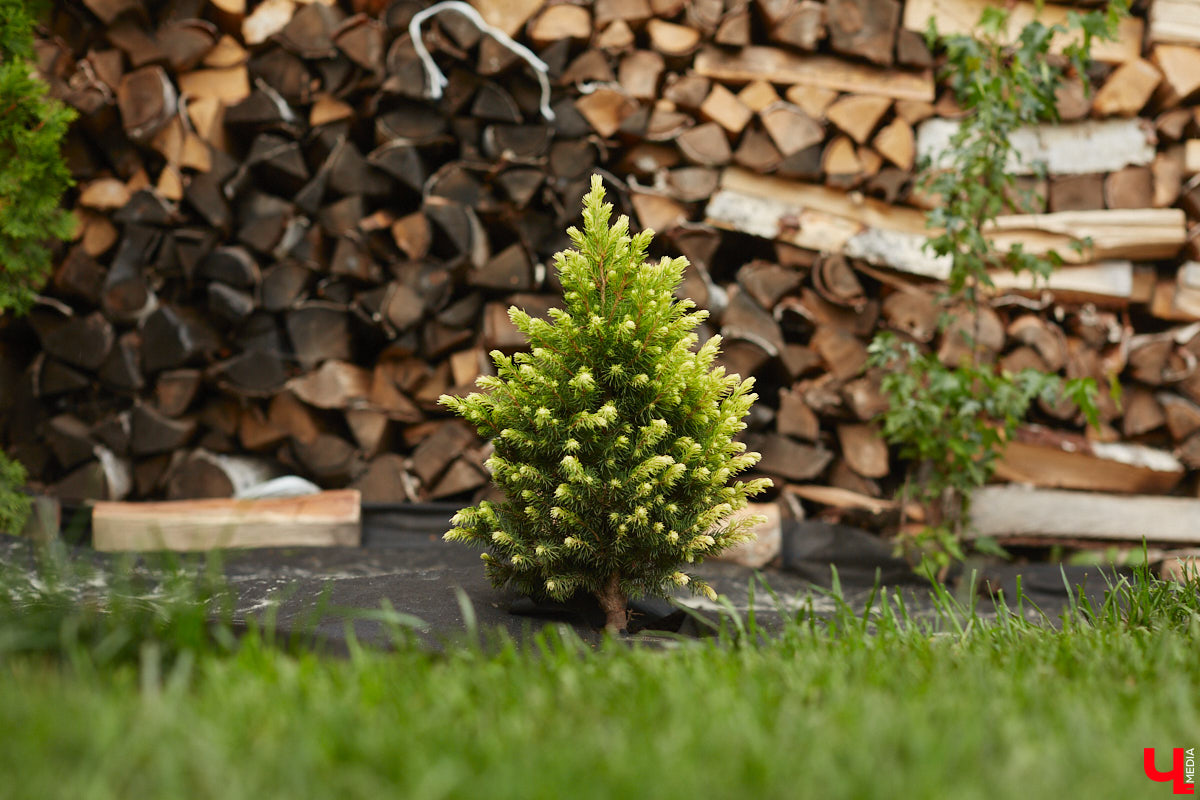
x: 952, y: 420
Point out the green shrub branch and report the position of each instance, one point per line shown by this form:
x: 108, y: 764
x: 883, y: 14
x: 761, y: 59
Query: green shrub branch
x: 951, y: 421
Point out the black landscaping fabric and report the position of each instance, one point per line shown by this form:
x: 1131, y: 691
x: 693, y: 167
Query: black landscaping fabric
x: 404, y: 564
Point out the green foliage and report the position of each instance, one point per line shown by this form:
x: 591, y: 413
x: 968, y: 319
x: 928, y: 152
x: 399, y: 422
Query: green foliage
x: 14, y: 506
x: 613, y: 438
x: 946, y: 703
x: 63, y: 609
x: 1002, y: 87
x: 952, y: 420
x: 33, y: 175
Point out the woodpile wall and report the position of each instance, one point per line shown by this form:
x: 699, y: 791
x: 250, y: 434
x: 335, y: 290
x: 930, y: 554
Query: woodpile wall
x: 288, y: 251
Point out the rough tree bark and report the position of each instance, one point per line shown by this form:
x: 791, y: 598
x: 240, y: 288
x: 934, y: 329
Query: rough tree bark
x: 614, y: 602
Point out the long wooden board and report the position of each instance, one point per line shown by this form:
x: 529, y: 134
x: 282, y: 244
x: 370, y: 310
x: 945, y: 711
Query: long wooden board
x: 819, y: 218
x: 1107, y: 283
x: 962, y: 16
x: 824, y: 72
x: 327, y: 519
x: 1022, y: 512
x: 1090, y: 466
x: 1175, y: 22
x: 1077, y: 148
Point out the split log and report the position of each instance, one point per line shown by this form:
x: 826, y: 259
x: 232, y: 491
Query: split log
x: 1079, y: 148
x: 812, y: 100
x: 864, y: 396
x: 640, y: 72
x: 147, y: 100
x: 758, y: 95
x: 977, y: 336
x: 744, y: 319
x: 175, y: 390
x: 835, y: 281
x: 83, y: 342
x: 688, y: 91
x: 706, y: 145
x: 433, y: 456
x: 70, y: 440
x: 657, y: 211
x: 790, y: 128
x: 767, y: 282
x: 1191, y: 157
x: 107, y: 478
x: 724, y: 108
x: 328, y: 458
x: 857, y: 115
x: 1182, y: 416
x: 1131, y: 187
x: 864, y: 28
x: 864, y: 450
x: 1174, y: 21
x: 1127, y: 89
x: 319, y: 331
x: 802, y: 26
x: 843, y: 353
x: 334, y: 385
x: 462, y: 476
x: 780, y: 66
x: 605, y: 110
x: 1107, y: 283
x: 1044, y: 337
x: 841, y: 164
x: 1009, y: 512
x: 558, y: 22
x: 1076, y: 193
x: 789, y: 459
x: 671, y: 39
x: 1058, y: 460
x: 203, y: 474
x: 962, y: 16
x: 1180, y: 68
x: 1143, y: 412
x: 915, y: 312
x: 896, y: 142
x: 795, y: 418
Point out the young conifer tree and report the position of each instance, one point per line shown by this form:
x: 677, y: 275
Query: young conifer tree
x: 33, y: 177
x: 613, y: 437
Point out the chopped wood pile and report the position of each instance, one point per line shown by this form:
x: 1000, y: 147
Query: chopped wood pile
x: 288, y: 250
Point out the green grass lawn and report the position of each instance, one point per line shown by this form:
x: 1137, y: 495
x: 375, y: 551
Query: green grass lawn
x: 953, y: 707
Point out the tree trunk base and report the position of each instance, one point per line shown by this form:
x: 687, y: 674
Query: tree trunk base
x: 614, y: 602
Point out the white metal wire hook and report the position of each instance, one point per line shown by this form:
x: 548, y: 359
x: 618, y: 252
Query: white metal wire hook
x: 437, y: 81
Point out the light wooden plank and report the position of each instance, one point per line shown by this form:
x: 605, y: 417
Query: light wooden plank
x: 1107, y: 283
x: 1015, y: 511
x: 1125, y: 468
x: 328, y: 519
x: 820, y: 218
x: 1079, y: 148
x: 1191, y: 156
x: 1174, y: 22
x: 824, y: 72
x: 1141, y: 234
x: 962, y: 16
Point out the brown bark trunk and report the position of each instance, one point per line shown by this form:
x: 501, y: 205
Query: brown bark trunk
x: 614, y: 602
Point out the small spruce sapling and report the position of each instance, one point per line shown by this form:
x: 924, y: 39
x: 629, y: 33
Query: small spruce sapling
x: 33, y: 177
x: 614, y: 438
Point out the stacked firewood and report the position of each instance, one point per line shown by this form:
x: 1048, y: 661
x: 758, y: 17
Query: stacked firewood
x: 288, y: 250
